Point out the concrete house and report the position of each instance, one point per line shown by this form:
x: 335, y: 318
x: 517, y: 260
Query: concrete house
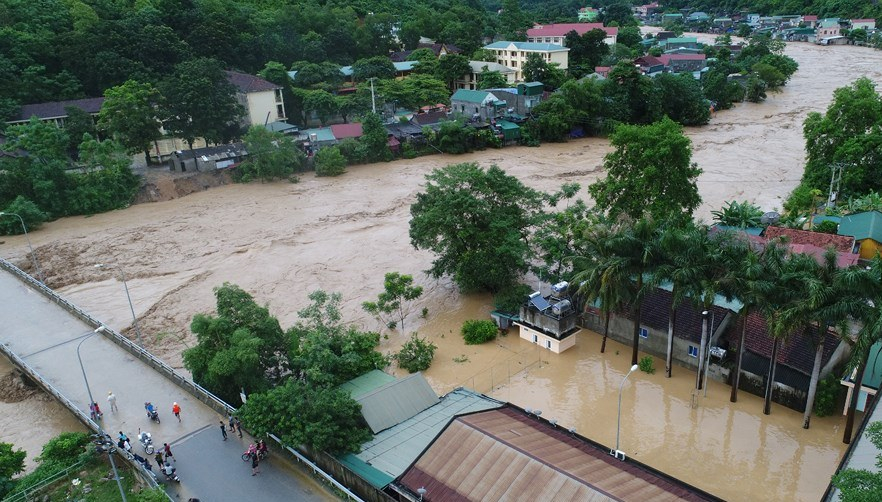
x: 261, y: 98
x: 209, y: 158
x: 557, y: 33
x: 866, y: 24
x: 678, y: 42
x: 514, y: 54
x: 866, y: 230
x: 550, y: 321
x: 684, y: 63
x: 470, y: 80
x: 810, y: 21
x: 828, y: 28
x: 483, y: 105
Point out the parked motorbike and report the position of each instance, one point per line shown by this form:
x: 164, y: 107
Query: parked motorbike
x: 146, y: 441
x: 170, y: 472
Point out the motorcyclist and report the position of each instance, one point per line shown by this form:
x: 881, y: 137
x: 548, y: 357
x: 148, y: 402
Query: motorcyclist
x: 252, y: 449
x: 168, y: 469
x: 151, y: 410
x: 123, y: 437
x: 261, y: 448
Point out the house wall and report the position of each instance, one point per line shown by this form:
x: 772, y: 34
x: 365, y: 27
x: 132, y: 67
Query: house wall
x: 259, y: 104
x: 869, y: 248
x: 468, y: 109
x: 561, y: 40
x: 470, y: 80
x: 515, y: 59
x: 655, y: 343
x: 545, y: 341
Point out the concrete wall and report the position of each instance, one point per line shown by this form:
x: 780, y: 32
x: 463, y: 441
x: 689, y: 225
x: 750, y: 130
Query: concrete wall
x: 259, y: 104
x: 545, y: 341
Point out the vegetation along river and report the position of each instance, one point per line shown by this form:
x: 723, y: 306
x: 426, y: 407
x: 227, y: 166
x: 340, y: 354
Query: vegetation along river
x: 280, y: 241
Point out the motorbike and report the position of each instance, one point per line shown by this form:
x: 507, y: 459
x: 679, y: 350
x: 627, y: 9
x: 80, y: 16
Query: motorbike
x: 261, y: 454
x: 125, y: 445
x: 170, y: 473
x: 152, y: 414
x: 146, y: 441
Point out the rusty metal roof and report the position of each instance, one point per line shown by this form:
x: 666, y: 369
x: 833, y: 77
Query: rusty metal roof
x: 504, y: 454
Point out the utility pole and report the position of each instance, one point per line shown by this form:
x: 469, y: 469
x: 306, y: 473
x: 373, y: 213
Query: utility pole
x: 835, y: 180
x: 373, y: 98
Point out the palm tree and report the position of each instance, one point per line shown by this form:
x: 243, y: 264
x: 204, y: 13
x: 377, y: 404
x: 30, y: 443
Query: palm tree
x: 598, y: 275
x: 868, y: 312
x: 628, y: 259
x: 674, y: 267
x: 739, y: 214
x: 747, y: 283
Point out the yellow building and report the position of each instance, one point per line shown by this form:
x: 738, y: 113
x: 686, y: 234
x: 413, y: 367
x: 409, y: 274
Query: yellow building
x: 514, y: 55
x: 866, y: 228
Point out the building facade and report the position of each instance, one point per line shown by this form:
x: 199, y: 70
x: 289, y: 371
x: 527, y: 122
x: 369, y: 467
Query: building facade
x: 557, y: 33
x: 514, y: 54
x: 261, y: 99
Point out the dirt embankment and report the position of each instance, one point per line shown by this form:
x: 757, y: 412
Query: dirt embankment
x: 160, y: 184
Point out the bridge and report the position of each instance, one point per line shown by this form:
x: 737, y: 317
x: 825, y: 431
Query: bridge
x: 46, y: 337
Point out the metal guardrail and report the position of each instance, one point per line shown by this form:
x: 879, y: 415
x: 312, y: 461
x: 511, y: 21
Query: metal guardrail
x: 317, y: 470
x: 193, y: 388
x: 27, y: 492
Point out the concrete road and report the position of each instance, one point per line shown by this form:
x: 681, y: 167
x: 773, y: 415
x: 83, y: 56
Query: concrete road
x: 46, y: 336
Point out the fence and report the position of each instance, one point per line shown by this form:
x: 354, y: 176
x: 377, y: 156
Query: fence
x: 499, y: 375
x: 317, y: 470
x: 31, y: 490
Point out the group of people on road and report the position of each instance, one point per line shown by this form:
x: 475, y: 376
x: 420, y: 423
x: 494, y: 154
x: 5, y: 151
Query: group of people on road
x: 256, y: 452
x: 234, y: 425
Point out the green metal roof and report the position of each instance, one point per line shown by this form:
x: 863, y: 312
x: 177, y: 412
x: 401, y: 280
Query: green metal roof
x: 469, y: 96
x: 321, y: 134
x: 393, y: 450
x: 682, y: 40
x: 873, y: 372
x: 719, y: 300
x: 377, y: 478
x: 396, y: 401
x: 506, y: 125
x: 367, y: 383
x: 748, y: 230
x: 866, y: 225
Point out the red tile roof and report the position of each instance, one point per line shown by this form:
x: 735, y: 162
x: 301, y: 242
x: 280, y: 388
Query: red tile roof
x: 842, y: 243
x: 343, y: 131
x: 863, y: 21
x: 843, y: 260
x: 250, y: 83
x: 648, y: 61
x: 809, y: 18
x: 796, y: 351
x: 561, y: 29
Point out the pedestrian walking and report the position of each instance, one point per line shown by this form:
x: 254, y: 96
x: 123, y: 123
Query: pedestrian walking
x: 176, y: 409
x: 168, y: 454
x: 223, y: 430
x: 239, y: 426
x: 111, y: 399
x: 158, y: 458
x: 231, y: 422
x: 254, y: 464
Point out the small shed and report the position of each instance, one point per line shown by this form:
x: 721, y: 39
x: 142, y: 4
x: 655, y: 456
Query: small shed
x: 531, y: 88
x: 510, y: 131
x: 866, y: 228
x: 208, y: 159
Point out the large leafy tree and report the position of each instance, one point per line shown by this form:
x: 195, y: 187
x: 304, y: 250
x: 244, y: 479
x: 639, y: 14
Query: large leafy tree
x: 375, y: 138
x: 491, y: 79
x: 586, y: 51
x: 649, y: 173
x: 130, y: 115
x: 270, y: 156
x: 476, y: 222
x: 11, y: 463
x: 682, y: 99
x: 242, y: 347
x: 559, y: 236
x: 452, y: 67
x: 862, y: 485
x: 200, y: 102
x: 374, y: 67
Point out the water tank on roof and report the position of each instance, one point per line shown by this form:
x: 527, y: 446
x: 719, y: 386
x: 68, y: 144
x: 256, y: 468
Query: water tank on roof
x: 560, y: 287
x: 561, y: 307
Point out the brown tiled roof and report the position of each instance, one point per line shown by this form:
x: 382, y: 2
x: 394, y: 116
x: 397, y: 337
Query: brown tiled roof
x: 55, y: 109
x: 503, y: 454
x: 657, y: 307
x: 648, y: 61
x: 796, y: 351
x: 250, y: 83
x: 430, y: 118
x: 840, y: 242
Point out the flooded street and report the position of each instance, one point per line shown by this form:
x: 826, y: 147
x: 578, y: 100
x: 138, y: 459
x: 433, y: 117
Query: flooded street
x: 280, y: 241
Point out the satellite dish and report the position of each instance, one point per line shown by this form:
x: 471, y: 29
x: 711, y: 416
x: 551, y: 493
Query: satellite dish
x: 770, y: 218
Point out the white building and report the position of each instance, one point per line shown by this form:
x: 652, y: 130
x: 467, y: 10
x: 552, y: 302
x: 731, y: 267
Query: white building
x: 261, y: 99
x: 557, y: 33
x: 514, y: 54
x: 470, y: 80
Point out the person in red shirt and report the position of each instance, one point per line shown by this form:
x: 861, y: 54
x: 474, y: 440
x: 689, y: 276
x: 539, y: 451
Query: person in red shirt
x: 176, y: 409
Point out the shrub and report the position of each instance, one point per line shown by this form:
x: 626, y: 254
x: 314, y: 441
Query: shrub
x: 416, y: 354
x: 477, y: 332
x: 32, y: 216
x: 329, y: 162
x: 826, y: 227
x: 66, y: 446
x: 646, y: 365
x: 827, y: 396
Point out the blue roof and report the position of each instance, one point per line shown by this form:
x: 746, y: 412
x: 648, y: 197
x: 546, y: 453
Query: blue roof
x: 526, y: 46
x: 747, y: 230
x: 866, y: 225
x: 470, y: 96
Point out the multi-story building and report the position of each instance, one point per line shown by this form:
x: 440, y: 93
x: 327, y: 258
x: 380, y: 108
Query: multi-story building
x: 261, y: 99
x: 557, y: 33
x: 514, y: 54
x: 470, y: 79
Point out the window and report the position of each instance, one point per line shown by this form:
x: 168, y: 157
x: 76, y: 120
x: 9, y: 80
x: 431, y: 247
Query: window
x: 547, y: 344
x: 280, y: 111
x: 535, y: 339
x: 693, y: 351
x: 514, y: 64
x: 278, y: 95
x: 644, y: 333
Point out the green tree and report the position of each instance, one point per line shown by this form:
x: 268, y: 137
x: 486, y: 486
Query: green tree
x: 375, y: 138
x: 374, y: 67
x: 649, y: 173
x: 862, y: 485
x: 629, y: 36
x: 630, y: 96
x: 558, y: 237
x: 416, y: 354
x: 11, y: 463
x: 77, y: 123
x: 130, y: 115
x: 513, y: 22
x: 452, y: 67
x: 396, y: 300
x: 321, y: 418
x: 270, y: 156
x: 199, y: 101
x: 107, y: 181
x: 320, y: 102
x: 240, y: 348
x: 553, y: 119
x: 682, y: 99
x: 586, y: 51
x: 738, y: 214
x: 31, y: 215
x: 491, y: 79
x: 329, y: 162
x: 476, y: 222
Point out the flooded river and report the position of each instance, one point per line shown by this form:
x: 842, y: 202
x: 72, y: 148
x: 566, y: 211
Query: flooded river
x: 280, y: 241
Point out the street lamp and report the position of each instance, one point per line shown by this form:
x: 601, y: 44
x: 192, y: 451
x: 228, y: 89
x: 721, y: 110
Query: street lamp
x: 33, y: 255
x: 129, y: 298
x: 618, y: 453
x: 422, y: 492
x: 99, y: 329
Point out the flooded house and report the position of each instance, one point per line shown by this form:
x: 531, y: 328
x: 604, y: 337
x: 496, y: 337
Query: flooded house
x: 550, y: 321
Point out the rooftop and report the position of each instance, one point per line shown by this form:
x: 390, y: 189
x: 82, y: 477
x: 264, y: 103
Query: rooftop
x: 343, y: 131
x: 55, y: 109
x: 561, y: 29
x: 527, y: 46
x: 478, y: 97
x: 504, y: 454
x: 366, y: 383
x: 794, y: 236
x: 396, y: 401
x: 250, y: 83
x: 478, y: 67
x: 866, y: 225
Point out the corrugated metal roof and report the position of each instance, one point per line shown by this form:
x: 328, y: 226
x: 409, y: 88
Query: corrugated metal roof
x: 396, y: 401
x: 370, y: 381
x: 506, y: 455
x: 322, y: 134
x: 375, y: 477
x: 394, y: 449
x: 862, y: 225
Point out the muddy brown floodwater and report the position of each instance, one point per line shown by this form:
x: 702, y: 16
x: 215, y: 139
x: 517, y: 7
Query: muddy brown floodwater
x: 280, y: 241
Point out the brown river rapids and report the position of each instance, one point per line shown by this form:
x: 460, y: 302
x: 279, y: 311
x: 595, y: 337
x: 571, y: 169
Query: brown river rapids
x: 280, y: 241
